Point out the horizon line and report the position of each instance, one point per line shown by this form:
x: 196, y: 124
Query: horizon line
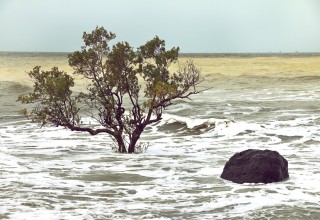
x: 245, y: 52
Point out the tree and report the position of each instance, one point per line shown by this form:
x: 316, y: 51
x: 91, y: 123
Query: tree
x: 113, y: 97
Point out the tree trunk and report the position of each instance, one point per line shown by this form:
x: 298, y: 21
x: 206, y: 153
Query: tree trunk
x: 132, y: 145
x: 134, y: 138
x: 121, y: 145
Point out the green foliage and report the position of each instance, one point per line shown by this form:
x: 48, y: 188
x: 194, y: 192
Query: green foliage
x: 52, y: 94
x: 114, y: 80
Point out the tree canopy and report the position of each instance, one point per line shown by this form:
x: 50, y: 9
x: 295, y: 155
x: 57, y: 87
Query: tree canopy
x: 118, y: 75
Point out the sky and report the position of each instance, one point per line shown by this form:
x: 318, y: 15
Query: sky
x: 196, y: 26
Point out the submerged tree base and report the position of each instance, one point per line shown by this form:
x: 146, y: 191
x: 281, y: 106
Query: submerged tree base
x: 139, y: 148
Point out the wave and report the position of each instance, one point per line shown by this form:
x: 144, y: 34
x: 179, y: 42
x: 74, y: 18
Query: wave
x: 183, y: 125
x: 11, y: 88
x: 295, y: 76
x: 307, y: 78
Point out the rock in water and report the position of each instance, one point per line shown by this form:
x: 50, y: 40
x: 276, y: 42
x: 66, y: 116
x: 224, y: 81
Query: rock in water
x: 256, y: 166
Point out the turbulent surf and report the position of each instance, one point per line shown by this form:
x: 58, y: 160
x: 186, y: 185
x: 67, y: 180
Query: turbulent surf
x: 261, y: 102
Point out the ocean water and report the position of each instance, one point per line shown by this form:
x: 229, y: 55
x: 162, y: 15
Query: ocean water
x: 262, y: 102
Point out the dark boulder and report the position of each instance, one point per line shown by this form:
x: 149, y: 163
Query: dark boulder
x: 256, y: 166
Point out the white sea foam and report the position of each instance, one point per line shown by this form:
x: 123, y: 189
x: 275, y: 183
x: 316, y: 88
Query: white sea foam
x: 191, y: 123
x: 71, y: 172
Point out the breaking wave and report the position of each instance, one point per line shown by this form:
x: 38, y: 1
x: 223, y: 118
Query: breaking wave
x: 12, y: 88
x: 186, y: 125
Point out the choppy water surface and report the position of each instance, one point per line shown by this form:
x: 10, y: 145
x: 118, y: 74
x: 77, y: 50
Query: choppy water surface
x: 53, y: 173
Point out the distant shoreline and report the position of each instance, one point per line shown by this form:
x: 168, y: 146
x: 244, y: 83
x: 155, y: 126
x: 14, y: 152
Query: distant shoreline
x: 193, y: 55
x: 248, y: 55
